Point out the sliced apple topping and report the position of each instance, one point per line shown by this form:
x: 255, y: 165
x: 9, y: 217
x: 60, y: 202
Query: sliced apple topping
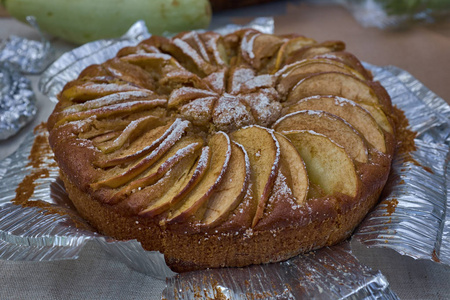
x: 189, y: 57
x: 215, y: 47
x: 194, y: 40
x: 257, y: 47
x: 333, y: 83
x: 348, y: 59
x: 173, y: 157
x: 220, y: 156
x: 314, y: 50
x: 187, y: 94
x: 152, y: 62
x: 327, y: 164
x: 231, y: 190
x: 91, y: 90
x: 290, y: 75
x: 145, y: 163
x: 290, y: 46
x: 264, y: 154
x: 132, y: 131
x: 111, y: 99
x: 348, y: 110
x: 295, y: 170
x: 148, y: 143
x: 172, y: 188
x: 329, y: 125
x: 378, y: 114
x: 113, y: 110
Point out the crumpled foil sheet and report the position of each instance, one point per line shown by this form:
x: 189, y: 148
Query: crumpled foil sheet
x: 20, y: 56
x: 323, y: 274
x: 413, y: 217
x: 27, y: 56
x: 17, y: 101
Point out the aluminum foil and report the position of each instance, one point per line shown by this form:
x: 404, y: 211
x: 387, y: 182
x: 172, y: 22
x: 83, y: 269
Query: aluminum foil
x: 17, y: 101
x: 416, y: 195
x: 28, y: 56
x: 412, y: 218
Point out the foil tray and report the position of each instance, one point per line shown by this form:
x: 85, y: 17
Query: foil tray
x: 411, y: 217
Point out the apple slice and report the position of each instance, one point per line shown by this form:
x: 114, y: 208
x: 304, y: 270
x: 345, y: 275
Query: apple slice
x: 329, y: 125
x: 113, y: 110
x: 290, y: 46
x: 129, y: 73
x: 379, y: 116
x: 333, y: 83
x: 349, y: 59
x: 131, y: 132
x: 257, y: 47
x: 348, y: 110
x: 177, y: 183
x: 192, y: 38
x: 111, y: 99
x: 215, y: 47
x: 264, y: 154
x: 289, y: 76
x: 81, y: 90
x: 295, y: 169
x: 186, y: 94
x: 151, y: 62
x: 142, y: 165
x: 328, y: 165
x: 231, y: 190
x: 314, y: 50
x: 174, y: 156
x: 188, y: 57
x: 150, y: 141
x: 220, y: 156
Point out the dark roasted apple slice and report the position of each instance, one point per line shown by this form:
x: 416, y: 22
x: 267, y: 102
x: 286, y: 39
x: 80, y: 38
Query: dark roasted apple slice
x: 295, y: 167
x: 327, y: 164
x: 231, y: 190
x: 220, y: 147
x: 333, y: 83
x: 329, y: 125
x: 348, y: 110
x: 264, y: 153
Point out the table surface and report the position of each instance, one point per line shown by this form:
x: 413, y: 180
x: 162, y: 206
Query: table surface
x: 422, y: 50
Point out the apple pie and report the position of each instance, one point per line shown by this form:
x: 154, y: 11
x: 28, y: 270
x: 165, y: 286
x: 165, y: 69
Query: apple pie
x: 225, y: 151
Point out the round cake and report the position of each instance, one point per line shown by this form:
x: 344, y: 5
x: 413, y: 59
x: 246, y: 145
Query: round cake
x: 225, y: 151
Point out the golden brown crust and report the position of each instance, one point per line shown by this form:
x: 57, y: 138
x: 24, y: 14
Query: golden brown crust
x: 134, y: 140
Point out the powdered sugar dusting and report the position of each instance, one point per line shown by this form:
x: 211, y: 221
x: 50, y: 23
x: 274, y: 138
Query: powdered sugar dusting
x: 230, y: 114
